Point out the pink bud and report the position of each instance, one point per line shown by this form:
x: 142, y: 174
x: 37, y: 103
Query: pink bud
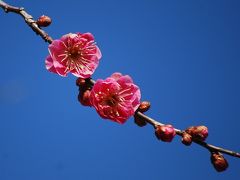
x: 198, y: 132
x: 165, y: 133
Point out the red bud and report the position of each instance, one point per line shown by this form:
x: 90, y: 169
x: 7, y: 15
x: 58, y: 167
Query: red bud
x: 144, y: 106
x: 84, y: 84
x: 198, y: 132
x: 186, y: 139
x: 219, y: 162
x: 84, y: 98
x: 165, y: 133
x: 44, y: 21
x: 80, y: 82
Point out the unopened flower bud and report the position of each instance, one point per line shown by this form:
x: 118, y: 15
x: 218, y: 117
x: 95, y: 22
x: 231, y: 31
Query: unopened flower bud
x: 198, y: 132
x: 84, y: 84
x: 44, y: 21
x: 144, y: 106
x: 139, y: 121
x: 80, y: 82
x: 186, y: 139
x: 165, y: 133
x: 84, y: 98
x: 219, y: 162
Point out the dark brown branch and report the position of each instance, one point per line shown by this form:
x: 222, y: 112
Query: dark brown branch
x: 210, y: 147
x: 28, y: 19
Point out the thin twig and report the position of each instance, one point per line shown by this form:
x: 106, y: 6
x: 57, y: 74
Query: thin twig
x: 29, y: 20
x: 210, y: 147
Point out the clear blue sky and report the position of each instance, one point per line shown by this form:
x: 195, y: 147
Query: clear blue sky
x: 184, y: 55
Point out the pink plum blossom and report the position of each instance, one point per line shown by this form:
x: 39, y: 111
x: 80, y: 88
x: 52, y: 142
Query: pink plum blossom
x: 115, y: 98
x: 73, y: 53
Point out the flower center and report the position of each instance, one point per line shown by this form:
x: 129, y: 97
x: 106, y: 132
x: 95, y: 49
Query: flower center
x: 112, y: 100
x: 74, y: 52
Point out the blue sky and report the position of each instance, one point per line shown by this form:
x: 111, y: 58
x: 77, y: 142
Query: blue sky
x: 184, y: 55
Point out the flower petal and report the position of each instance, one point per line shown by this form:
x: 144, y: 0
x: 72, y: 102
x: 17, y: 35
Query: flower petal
x: 49, y: 64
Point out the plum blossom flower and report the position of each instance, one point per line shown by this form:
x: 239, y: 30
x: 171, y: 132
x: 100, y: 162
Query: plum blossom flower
x: 73, y: 53
x: 115, y: 98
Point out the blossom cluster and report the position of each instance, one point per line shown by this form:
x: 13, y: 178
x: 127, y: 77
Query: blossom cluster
x: 115, y: 98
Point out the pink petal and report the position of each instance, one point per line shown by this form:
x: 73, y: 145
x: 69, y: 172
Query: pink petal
x: 116, y: 75
x: 87, y: 36
x: 49, y: 64
x: 98, y: 53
